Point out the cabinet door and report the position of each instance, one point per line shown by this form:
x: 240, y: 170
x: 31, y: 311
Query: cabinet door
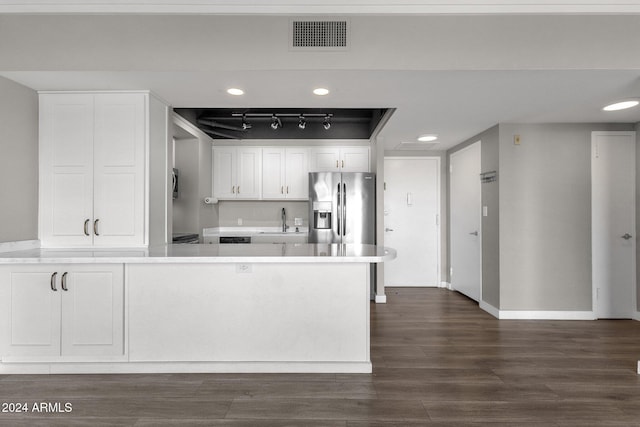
x: 66, y: 169
x: 325, y: 159
x: 297, y: 173
x: 354, y: 159
x: 224, y: 172
x: 273, y: 173
x: 30, y: 318
x: 249, y: 173
x: 119, y: 170
x: 93, y: 311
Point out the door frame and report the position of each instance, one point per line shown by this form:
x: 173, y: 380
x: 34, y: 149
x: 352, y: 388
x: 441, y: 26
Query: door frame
x: 438, y: 207
x: 480, y: 235
x: 634, y: 287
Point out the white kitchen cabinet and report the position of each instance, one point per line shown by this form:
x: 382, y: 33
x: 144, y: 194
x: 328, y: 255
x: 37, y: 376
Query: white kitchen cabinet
x: 339, y: 159
x: 237, y: 172
x: 62, y: 312
x: 92, y: 169
x: 285, y: 173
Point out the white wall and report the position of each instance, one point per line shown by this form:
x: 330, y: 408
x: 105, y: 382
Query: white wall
x: 545, y: 216
x: 18, y: 162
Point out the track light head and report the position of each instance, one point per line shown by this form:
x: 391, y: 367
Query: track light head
x: 327, y: 122
x: 245, y: 125
x: 275, y: 122
x: 302, y: 122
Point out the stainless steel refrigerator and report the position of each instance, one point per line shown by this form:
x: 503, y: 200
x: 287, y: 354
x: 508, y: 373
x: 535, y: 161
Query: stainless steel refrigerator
x: 342, y: 207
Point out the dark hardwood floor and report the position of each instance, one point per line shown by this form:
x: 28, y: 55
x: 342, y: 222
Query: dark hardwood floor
x: 437, y: 358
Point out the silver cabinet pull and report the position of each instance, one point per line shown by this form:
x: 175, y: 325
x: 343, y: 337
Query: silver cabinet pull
x: 626, y: 236
x: 343, y: 164
x: 86, y: 227
x: 238, y: 189
x: 53, y: 281
x: 233, y: 189
x: 337, y: 165
x: 95, y: 227
x: 339, y: 209
x: 282, y: 190
x: 474, y: 233
x: 64, y: 281
x: 287, y: 189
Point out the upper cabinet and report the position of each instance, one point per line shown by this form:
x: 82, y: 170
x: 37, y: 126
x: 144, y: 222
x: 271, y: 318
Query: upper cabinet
x: 237, y: 172
x: 93, y: 173
x: 285, y: 173
x: 339, y: 159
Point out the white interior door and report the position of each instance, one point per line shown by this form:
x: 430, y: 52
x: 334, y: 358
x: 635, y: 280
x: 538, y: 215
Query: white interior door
x: 411, y: 209
x: 613, y: 223
x: 465, y: 208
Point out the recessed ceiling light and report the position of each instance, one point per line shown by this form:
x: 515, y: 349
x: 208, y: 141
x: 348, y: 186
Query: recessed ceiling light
x: 620, y: 105
x: 427, y: 138
x: 321, y: 91
x: 235, y: 91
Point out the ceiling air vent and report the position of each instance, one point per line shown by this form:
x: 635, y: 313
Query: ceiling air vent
x: 319, y: 34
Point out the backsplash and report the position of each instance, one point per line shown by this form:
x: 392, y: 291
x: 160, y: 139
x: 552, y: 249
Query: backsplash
x: 261, y: 213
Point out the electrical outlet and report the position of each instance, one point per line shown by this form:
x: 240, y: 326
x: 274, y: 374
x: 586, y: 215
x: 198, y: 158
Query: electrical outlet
x: 239, y: 221
x: 516, y: 139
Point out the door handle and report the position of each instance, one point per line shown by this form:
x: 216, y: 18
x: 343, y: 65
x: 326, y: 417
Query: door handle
x: 64, y: 281
x: 86, y: 227
x: 339, y: 209
x: 388, y: 229
x: 95, y: 227
x: 344, y: 209
x: 626, y: 236
x: 474, y: 233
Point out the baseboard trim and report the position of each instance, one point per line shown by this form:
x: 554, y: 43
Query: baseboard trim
x: 536, y: 314
x: 21, y: 245
x: 490, y: 309
x: 381, y: 299
x: 445, y: 285
x: 186, y: 367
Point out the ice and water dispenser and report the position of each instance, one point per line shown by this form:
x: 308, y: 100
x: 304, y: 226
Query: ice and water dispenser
x: 321, y: 215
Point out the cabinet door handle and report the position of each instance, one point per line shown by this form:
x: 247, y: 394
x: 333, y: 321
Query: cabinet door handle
x: 287, y: 189
x: 281, y: 190
x: 233, y: 189
x: 238, y: 189
x: 95, y: 227
x: 64, y: 281
x: 337, y: 164
x: 53, y: 281
x: 343, y: 164
x: 86, y: 227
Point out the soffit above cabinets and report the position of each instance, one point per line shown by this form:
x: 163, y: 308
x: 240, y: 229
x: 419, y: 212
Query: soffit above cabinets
x: 344, y: 123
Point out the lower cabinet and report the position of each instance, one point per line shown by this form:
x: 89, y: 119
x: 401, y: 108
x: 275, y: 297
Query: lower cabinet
x: 60, y: 312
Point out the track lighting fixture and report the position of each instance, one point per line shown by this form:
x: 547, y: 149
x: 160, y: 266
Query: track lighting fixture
x: 327, y: 122
x: 302, y: 123
x: 245, y: 124
x: 275, y: 122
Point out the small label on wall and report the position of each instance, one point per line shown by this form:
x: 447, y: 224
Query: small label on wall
x: 243, y: 268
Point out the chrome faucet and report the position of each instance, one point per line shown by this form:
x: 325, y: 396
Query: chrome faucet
x: 284, y: 220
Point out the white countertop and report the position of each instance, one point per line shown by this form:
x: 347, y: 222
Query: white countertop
x: 209, y: 253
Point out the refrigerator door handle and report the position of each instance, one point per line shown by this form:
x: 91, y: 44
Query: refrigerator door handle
x: 339, y: 208
x: 344, y: 209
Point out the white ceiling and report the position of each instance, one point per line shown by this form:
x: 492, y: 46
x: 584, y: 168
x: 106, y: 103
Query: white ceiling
x: 456, y: 105
x: 454, y: 76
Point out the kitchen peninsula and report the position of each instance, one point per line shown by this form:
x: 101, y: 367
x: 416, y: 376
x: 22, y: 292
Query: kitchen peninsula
x: 187, y: 308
